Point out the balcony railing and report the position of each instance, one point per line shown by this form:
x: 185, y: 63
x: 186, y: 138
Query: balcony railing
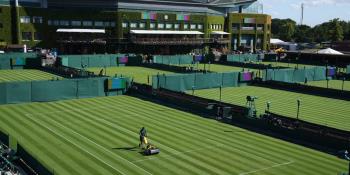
x: 171, y: 41
x: 222, y: 40
x: 82, y: 41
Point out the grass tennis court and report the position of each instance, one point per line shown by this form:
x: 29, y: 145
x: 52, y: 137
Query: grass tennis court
x: 140, y: 74
x: 99, y: 136
x: 320, y: 110
x: 333, y: 84
x: 24, y: 75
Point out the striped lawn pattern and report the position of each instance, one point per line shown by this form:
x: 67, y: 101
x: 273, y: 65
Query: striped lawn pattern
x: 332, y: 84
x: 99, y: 136
x: 24, y: 75
x: 320, y: 110
x: 140, y: 74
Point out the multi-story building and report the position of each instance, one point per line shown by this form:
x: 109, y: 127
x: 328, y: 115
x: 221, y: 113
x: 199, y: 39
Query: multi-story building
x: 158, y: 26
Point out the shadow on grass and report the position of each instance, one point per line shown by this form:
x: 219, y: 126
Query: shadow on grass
x: 135, y: 148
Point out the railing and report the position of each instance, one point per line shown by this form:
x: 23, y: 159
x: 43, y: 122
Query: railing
x: 222, y: 40
x: 171, y: 41
x: 247, y: 28
x: 82, y: 41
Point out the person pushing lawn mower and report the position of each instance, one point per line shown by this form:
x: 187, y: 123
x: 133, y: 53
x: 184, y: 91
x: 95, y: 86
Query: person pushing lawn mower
x: 148, y: 149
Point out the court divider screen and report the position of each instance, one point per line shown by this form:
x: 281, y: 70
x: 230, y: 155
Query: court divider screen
x: 316, y: 73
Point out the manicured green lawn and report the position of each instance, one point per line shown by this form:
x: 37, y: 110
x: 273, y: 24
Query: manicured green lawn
x: 100, y: 136
x: 332, y: 84
x: 320, y: 110
x: 140, y: 74
x: 25, y: 75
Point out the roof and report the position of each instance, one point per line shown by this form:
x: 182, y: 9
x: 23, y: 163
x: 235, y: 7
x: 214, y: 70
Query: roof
x: 166, y: 32
x: 275, y: 41
x: 329, y: 51
x: 81, y: 30
x: 219, y: 33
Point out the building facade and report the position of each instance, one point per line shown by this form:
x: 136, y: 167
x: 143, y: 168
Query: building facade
x: 159, y: 26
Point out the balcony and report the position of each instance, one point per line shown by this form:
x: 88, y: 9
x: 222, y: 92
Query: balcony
x: 171, y: 41
x: 221, y: 40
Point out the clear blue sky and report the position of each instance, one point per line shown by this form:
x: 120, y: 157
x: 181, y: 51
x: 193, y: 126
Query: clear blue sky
x: 315, y: 11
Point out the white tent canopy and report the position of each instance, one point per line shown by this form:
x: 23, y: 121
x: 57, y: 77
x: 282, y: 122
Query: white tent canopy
x: 81, y: 30
x: 166, y: 32
x: 329, y: 51
x: 219, y: 33
x: 276, y: 41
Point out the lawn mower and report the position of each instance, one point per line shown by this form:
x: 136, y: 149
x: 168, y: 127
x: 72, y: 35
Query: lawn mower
x: 150, y: 149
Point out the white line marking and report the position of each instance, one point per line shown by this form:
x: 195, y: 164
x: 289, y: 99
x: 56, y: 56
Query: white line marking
x: 266, y: 168
x: 99, y: 146
x: 179, y: 153
x: 60, y: 135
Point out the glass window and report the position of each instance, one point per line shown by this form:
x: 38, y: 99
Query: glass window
x: 166, y: 17
x: 87, y: 23
x: 152, y: 25
x: 107, y: 24
x: 37, y: 36
x: 26, y: 36
x: 76, y: 23
x: 169, y: 26
x: 25, y: 19
x: 49, y: 22
x: 64, y: 23
x: 176, y: 26
x: 193, y: 26
x: 112, y: 24
x: 160, y: 26
x: 185, y: 26
x: 200, y: 26
x: 99, y: 23
x: 142, y: 25
x: 133, y: 25
x: 38, y: 19
x: 124, y: 24
x: 56, y: 22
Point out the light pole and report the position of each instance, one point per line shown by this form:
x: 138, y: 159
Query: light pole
x: 220, y: 93
x: 299, y: 103
x: 268, y: 104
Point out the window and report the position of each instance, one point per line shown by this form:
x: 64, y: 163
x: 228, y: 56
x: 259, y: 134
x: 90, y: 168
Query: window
x: 160, y: 26
x: 25, y: 19
x: 142, y: 25
x: 26, y: 36
x: 185, y: 26
x: 49, y: 22
x: 124, y: 24
x: 76, y: 23
x: 37, y: 36
x: 166, y: 17
x: 133, y: 25
x: 200, y: 26
x: 169, y: 26
x: 193, y: 26
x: 98, y: 23
x: 56, y: 22
x: 87, y: 23
x: 64, y: 23
x: 152, y: 25
x: 107, y: 24
x: 176, y: 26
x: 38, y: 19
x: 112, y: 24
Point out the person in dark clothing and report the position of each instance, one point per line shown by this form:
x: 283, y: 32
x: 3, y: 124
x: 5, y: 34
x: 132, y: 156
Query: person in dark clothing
x: 143, y: 134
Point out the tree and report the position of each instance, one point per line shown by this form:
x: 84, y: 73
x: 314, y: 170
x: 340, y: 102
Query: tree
x: 336, y: 31
x: 303, y: 34
x: 283, y: 29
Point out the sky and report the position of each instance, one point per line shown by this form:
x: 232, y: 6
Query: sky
x: 315, y: 11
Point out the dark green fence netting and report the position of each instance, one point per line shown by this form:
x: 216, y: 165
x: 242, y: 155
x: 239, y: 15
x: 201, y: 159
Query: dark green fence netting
x: 15, y: 60
x: 184, y: 82
x: 173, y: 59
x: 90, y: 88
x: 18, y: 92
x: 54, y: 90
x: 244, y: 58
x: 296, y: 75
x: 348, y: 69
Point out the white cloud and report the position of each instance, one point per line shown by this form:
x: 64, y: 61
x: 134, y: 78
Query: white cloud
x: 325, y: 2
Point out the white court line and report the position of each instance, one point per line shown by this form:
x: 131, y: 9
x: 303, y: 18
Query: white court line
x: 179, y: 153
x: 60, y: 135
x: 266, y: 168
x: 99, y: 146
